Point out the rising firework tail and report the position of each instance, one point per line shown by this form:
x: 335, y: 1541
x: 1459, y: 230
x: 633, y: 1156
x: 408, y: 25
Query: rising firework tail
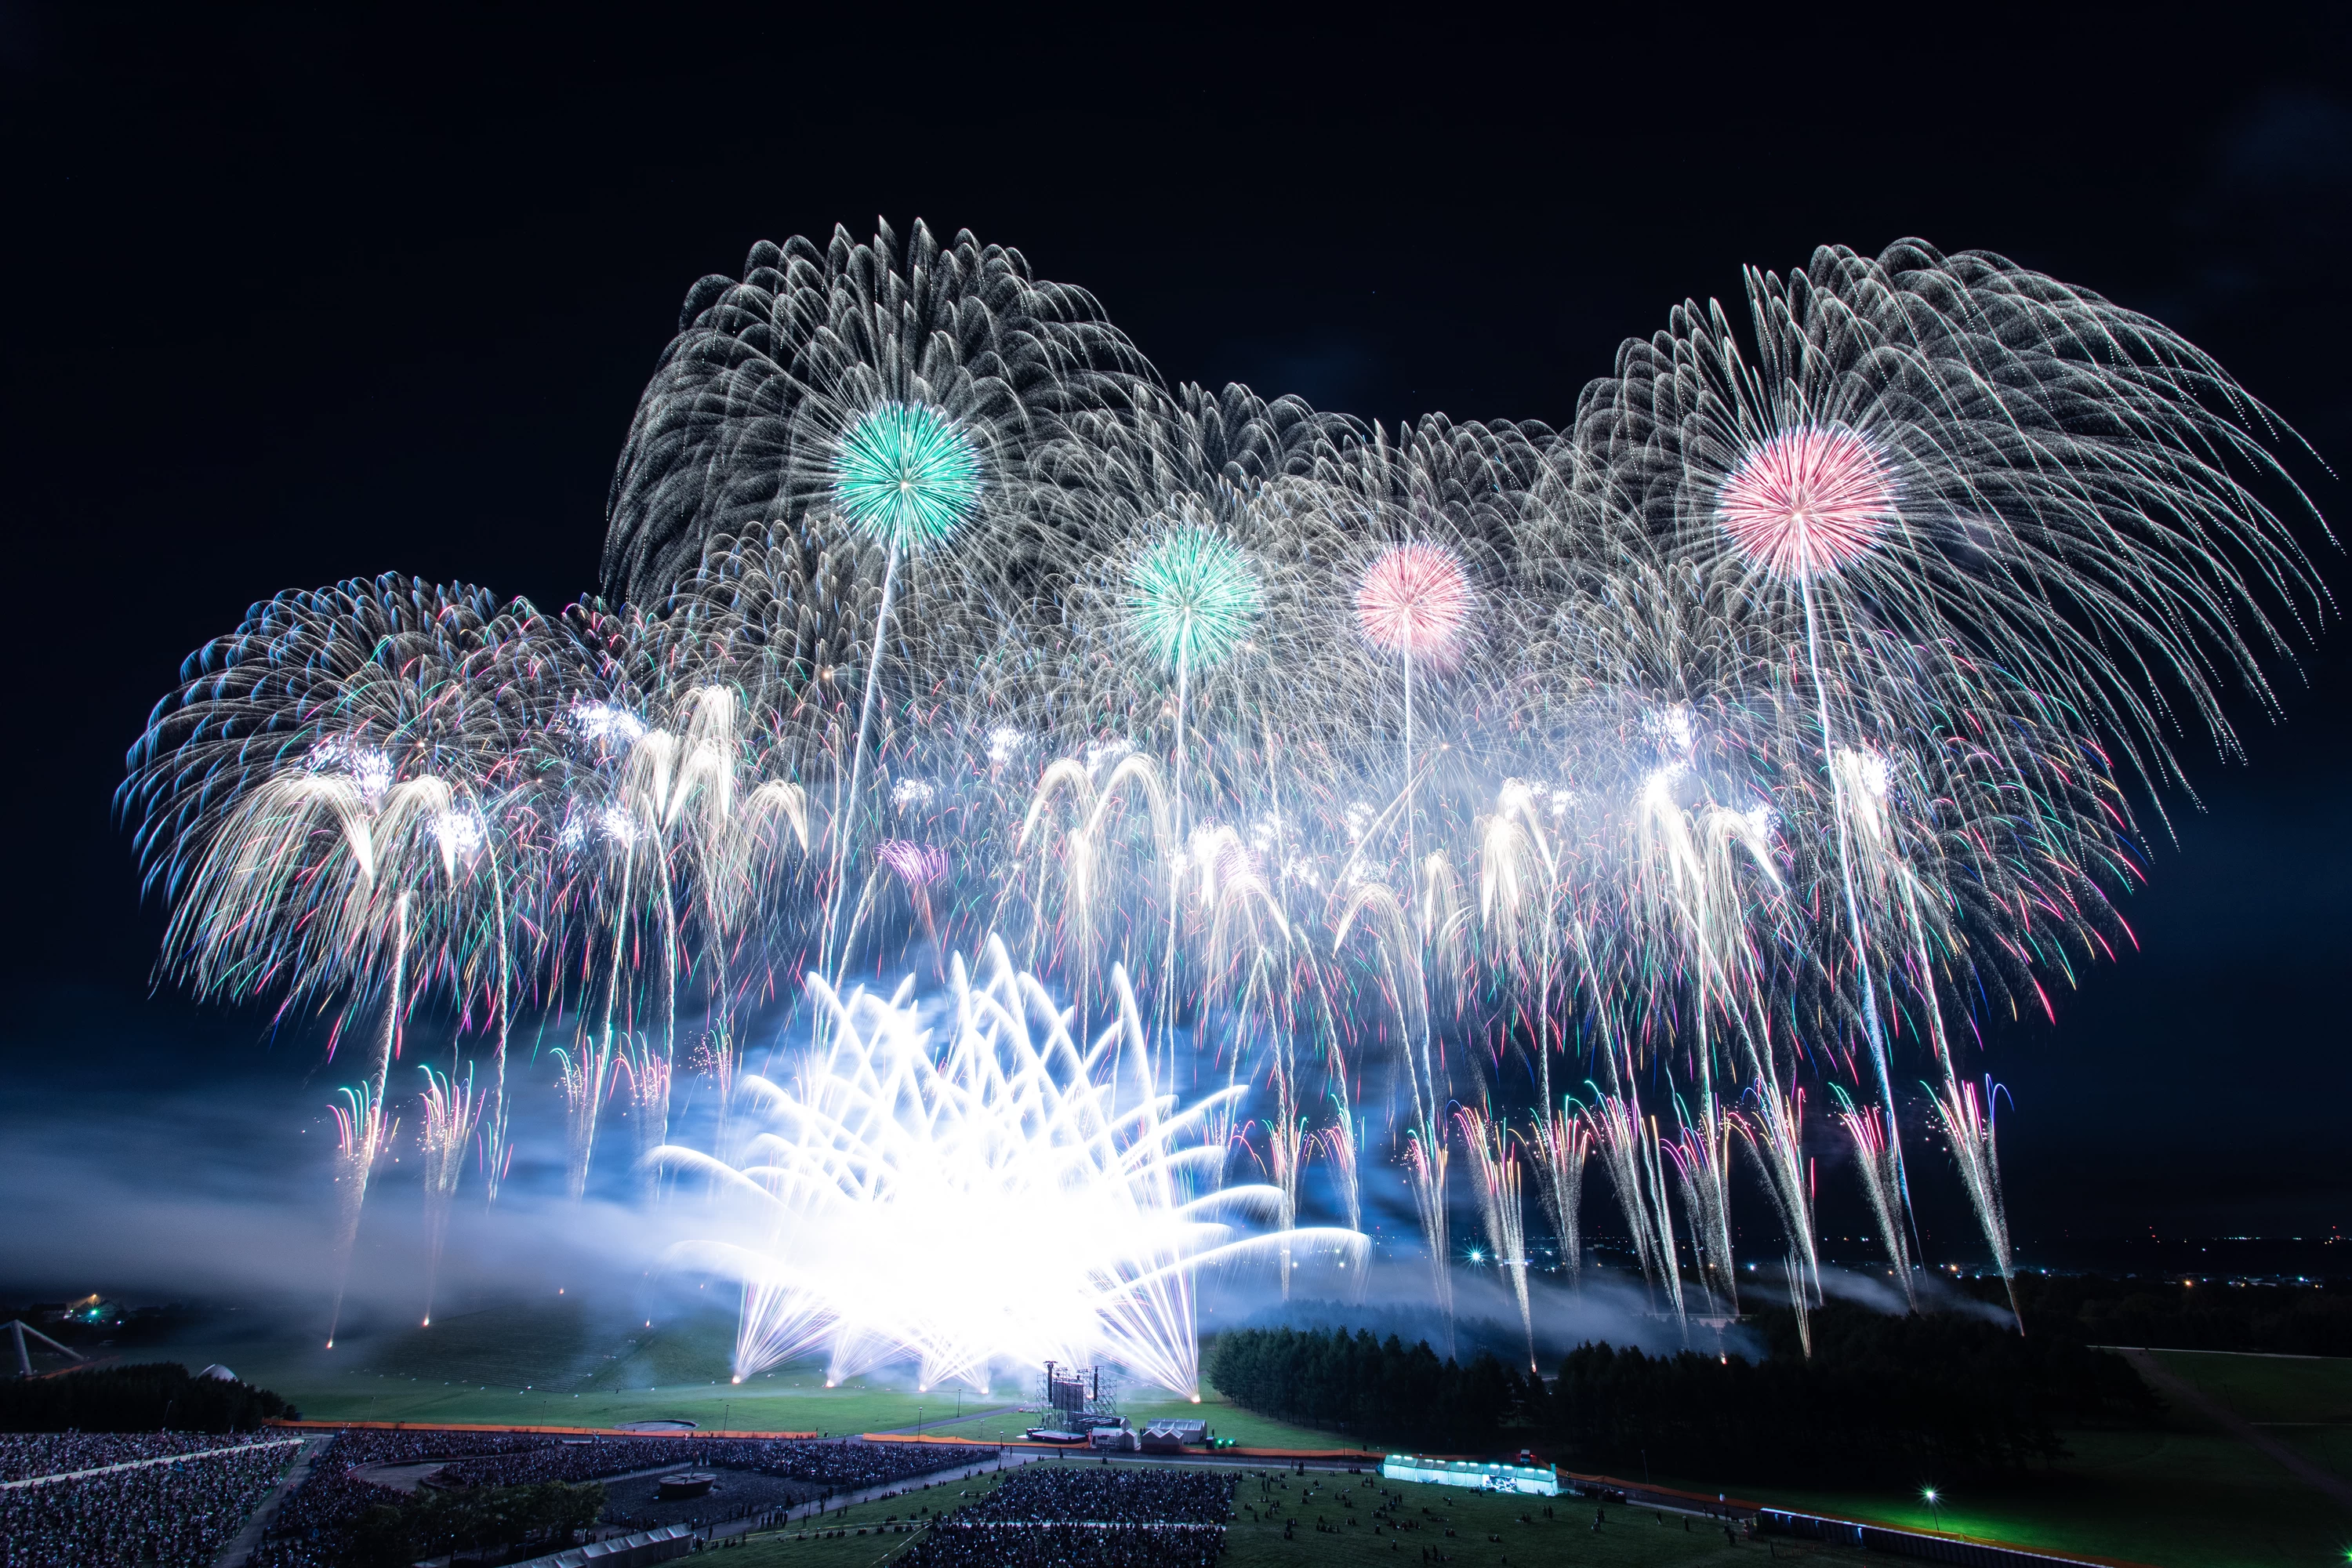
x: 448, y: 1113
x: 1782, y: 720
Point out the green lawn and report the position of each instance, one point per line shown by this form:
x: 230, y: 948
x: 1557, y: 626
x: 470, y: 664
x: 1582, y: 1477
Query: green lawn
x: 553, y: 1365
x: 2178, y: 1498
x: 1226, y: 1419
x: 2269, y: 1388
x: 1631, y: 1538
x: 2305, y: 1402
x: 564, y: 1364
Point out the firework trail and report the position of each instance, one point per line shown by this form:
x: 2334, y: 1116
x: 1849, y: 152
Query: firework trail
x: 1193, y: 596
x: 1343, y: 1144
x: 1701, y: 1156
x: 1628, y: 1150
x: 1786, y: 711
x: 1286, y: 1154
x: 1376, y: 906
x: 1773, y: 1130
x: 907, y: 474
x: 1967, y: 1121
x: 1424, y: 1164
x: 361, y: 1134
x: 1413, y: 602
x: 450, y: 1111
x: 1872, y: 1129
x: 1494, y: 1179
x: 643, y: 1071
x: 1689, y: 893
x: 582, y: 1077
x: 1562, y: 1146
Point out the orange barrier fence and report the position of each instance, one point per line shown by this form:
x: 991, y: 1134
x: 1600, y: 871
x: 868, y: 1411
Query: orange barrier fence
x: 508, y: 1427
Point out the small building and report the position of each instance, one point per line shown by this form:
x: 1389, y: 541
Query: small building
x: 1174, y: 1437
x: 1481, y: 1475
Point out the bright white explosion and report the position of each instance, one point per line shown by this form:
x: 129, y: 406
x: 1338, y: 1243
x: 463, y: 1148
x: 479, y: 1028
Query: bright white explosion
x: 961, y: 1184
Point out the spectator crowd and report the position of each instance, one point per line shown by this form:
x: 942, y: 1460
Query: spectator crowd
x: 23, y: 1454
x: 175, y: 1515
x: 830, y: 1466
x: 1126, y: 1495
x: 314, y: 1526
x: 953, y: 1544
x: 1053, y: 1516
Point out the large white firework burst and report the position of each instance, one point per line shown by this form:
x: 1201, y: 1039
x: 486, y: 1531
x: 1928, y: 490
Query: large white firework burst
x: 966, y: 1187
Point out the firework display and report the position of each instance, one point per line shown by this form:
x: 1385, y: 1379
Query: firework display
x: 1590, y: 795
x: 1053, y: 1183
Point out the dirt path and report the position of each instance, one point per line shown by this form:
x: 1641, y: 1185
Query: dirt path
x: 2174, y: 1387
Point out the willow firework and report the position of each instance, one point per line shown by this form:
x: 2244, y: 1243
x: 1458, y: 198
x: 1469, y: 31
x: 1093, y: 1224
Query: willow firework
x: 1785, y: 718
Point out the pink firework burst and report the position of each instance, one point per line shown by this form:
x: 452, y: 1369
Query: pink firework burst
x: 918, y: 865
x: 1413, y: 600
x: 1809, y: 503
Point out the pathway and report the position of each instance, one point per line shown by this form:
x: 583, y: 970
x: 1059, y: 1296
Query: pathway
x: 241, y: 1545
x: 2174, y: 1386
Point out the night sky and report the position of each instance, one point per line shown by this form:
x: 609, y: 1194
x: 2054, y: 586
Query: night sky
x: 292, y: 298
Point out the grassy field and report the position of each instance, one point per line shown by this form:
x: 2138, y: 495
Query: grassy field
x: 2266, y: 1389
x: 2305, y: 1402
x: 566, y: 1363
x: 1631, y: 1538
x: 2188, y: 1497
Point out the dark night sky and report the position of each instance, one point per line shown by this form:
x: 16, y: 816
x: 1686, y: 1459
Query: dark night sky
x: 292, y: 298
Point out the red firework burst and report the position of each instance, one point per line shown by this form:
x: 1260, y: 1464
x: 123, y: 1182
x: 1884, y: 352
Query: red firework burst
x: 1807, y: 503
x: 1413, y: 600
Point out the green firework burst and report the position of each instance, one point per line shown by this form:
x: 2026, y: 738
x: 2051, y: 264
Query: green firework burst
x: 1191, y: 597
x: 907, y: 474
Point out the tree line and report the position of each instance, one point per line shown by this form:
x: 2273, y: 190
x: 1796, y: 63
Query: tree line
x: 1881, y: 1398
x: 1374, y: 1389
x: 2312, y: 1318
x: 155, y: 1397
x: 432, y: 1522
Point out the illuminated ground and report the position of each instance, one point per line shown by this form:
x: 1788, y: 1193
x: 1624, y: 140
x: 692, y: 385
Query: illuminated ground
x: 567, y: 1364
